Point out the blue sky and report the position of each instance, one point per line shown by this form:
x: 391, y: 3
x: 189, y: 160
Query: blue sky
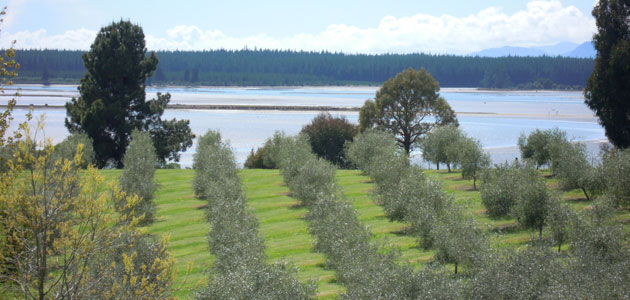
x: 445, y: 26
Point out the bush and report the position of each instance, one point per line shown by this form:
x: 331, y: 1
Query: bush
x: 255, y: 159
x: 533, y: 200
x: 68, y: 148
x: 273, y: 147
x: 472, y: 159
x: 213, y: 163
x: 368, y: 145
x: 327, y: 136
x: 617, y: 176
x: 574, y: 171
x: 315, y: 178
x: 538, y: 146
x: 137, y: 177
x: 440, y: 145
x: 497, y: 189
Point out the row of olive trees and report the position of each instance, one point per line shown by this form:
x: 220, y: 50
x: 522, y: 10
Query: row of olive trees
x: 450, y: 146
x: 364, y: 269
x: 240, y: 270
x: 574, y: 169
x: 594, y: 267
x: 407, y: 195
x: 67, y: 235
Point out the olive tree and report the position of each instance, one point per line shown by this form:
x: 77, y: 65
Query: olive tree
x: 440, y: 145
x: 408, y: 106
x: 574, y: 171
x: 617, y: 176
x: 472, y: 159
x: 537, y: 147
x: 497, y: 189
x: 138, y: 174
x: 533, y: 200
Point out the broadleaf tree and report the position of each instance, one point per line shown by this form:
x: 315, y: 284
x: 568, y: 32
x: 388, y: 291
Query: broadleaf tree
x: 112, y: 98
x: 408, y: 105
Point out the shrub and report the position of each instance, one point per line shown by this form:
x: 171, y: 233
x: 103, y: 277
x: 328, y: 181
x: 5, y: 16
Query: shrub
x: 497, y: 189
x: 137, y: 177
x: 440, y: 145
x: 472, y: 159
x: 255, y: 159
x: 458, y: 239
x: 533, y: 200
x: 617, y: 176
x: 368, y: 145
x: 213, y: 163
x: 68, y: 148
x: 538, y: 146
x: 327, y: 136
x: 315, y: 178
x: 574, y: 171
x: 273, y: 147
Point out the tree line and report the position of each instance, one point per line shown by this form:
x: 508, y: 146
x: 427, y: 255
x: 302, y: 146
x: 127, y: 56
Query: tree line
x: 255, y: 67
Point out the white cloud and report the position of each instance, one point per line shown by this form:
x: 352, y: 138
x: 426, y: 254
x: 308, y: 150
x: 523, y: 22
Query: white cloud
x: 79, y: 39
x: 540, y: 23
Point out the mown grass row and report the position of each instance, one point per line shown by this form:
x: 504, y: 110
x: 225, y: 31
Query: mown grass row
x: 182, y: 217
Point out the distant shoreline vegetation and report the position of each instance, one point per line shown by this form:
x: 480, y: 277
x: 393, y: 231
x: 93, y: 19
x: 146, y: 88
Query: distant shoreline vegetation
x: 299, y: 68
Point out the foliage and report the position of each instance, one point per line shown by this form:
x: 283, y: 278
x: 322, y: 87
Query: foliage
x: 68, y: 147
x: 574, y: 171
x: 368, y: 145
x: 472, y: 159
x: 402, y: 104
x: 273, y: 147
x: 459, y: 239
x: 539, y: 144
x: 57, y: 223
x: 259, y: 67
x: 112, y: 101
x: 255, y: 160
x: 141, y: 268
x: 560, y: 220
x: 440, y: 145
x: 327, y: 136
x: 533, y: 200
x: 497, y: 188
x: 137, y: 177
x: 240, y: 271
x: 606, y: 90
x: 213, y: 162
x: 617, y: 176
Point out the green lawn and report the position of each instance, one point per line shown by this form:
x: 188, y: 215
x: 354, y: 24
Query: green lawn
x: 181, y: 217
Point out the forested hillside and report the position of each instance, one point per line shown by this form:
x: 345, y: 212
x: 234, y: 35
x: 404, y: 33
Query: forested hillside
x: 279, y: 67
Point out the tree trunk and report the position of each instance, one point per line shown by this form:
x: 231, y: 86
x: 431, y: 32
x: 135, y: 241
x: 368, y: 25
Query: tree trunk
x: 475, y: 183
x: 559, y: 245
x: 586, y: 194
x: 455, y: 268
x: 437, y: 165
x: 448, y: 165
x: 540, y: 232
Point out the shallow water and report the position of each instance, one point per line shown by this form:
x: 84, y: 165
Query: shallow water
x: 495, y: 118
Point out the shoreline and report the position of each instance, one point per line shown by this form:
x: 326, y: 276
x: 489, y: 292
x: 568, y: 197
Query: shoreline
x: 585, y: 118
x: 280, y: 87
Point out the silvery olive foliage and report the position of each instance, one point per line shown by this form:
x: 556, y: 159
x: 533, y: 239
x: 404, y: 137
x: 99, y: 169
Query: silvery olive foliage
x: 617, y: 176
x: 574, y: 170
x: 240, y: 270
x: 137, y: 177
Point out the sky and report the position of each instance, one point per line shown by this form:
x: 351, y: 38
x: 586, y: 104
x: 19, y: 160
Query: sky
x: 373, y: 27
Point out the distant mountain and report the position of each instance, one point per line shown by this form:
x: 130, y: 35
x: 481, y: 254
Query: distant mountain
x: 507, y: 50
x: 558, y: 49
x: 567, y: 49
x: 584, y: 50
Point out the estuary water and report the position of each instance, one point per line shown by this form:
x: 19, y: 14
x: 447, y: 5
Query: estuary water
x: 496, y: 118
